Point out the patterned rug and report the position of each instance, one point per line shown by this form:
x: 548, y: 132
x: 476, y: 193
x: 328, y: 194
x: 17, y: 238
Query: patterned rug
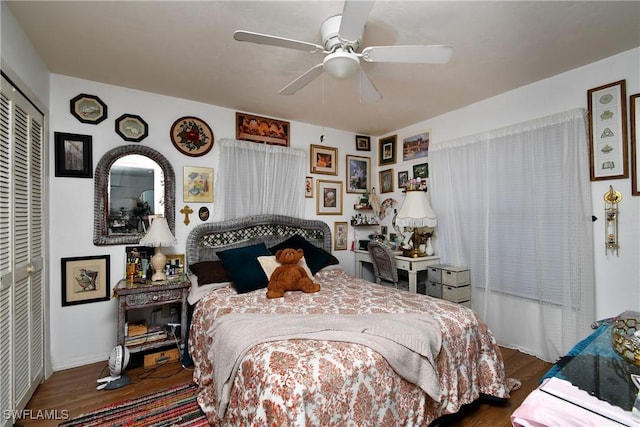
x: 176, y: 406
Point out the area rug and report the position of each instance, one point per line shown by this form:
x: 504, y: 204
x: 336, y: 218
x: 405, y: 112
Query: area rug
x: 176, y: 406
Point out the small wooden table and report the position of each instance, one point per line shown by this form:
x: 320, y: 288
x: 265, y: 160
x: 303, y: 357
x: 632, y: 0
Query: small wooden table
x: 151, y: 294
x: 408, y: 264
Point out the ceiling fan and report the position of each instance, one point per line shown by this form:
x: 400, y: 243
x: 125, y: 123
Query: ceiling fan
x: 341, y: 38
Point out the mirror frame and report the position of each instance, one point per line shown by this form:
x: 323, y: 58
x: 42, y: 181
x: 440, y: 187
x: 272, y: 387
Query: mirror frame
x: 101, y: 236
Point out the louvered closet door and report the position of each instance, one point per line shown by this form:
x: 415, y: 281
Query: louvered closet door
x: 22, y: 279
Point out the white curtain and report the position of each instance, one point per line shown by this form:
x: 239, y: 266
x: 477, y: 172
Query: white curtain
x: 514, y: 205
x: 254, y: 179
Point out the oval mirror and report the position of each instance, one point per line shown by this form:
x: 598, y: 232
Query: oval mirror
x: 131, y: 182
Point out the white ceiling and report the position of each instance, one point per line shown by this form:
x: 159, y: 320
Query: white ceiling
x: 186, y: 49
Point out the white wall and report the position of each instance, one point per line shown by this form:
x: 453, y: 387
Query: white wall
x: 617, y: 277
x: 86, y: 333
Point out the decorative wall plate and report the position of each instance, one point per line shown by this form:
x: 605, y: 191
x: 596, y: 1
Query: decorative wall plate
x: 191, y: 136
x: 131, y: 127
x: 88, y: 109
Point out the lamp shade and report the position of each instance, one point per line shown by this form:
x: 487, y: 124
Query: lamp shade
x: 341, y: 65
x: 159, y: 234
x: 416, y: 211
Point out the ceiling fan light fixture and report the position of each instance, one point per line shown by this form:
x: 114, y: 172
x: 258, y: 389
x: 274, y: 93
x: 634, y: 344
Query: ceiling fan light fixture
x: 341, y: 65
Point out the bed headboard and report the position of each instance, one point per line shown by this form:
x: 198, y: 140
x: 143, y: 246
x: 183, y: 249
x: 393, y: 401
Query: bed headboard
x: 205, y: 239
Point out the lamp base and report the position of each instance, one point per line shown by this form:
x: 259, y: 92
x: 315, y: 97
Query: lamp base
x: 414, y: 253
x: 158, y: 261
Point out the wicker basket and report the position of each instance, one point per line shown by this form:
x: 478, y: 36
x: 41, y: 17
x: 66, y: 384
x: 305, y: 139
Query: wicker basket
x: 623, y: 338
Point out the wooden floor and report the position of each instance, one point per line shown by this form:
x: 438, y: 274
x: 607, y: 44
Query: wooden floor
x: 73, y: 391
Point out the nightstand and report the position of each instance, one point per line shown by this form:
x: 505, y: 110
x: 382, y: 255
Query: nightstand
x: 151, y: 294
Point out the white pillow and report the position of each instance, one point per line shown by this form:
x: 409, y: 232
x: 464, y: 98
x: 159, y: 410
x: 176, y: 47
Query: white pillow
x: 196, y: 292
x: 269, y: 265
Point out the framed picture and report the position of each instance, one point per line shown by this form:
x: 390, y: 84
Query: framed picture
x: 203, y: 213
x: 421, y: 170
x: 609, y: 155
x: 324, y: 159
x: 308, y: 187
x: 386, y: 181
x: 191, y: 136
x: 358, y: 174
x: 363, y: 143
x: 329, y: 198
x: 198, y: 185
x: 262, y: 129
x: 403, y: 179
x: 85, y: 279
x: 176, y: 264
x: 88, y: 109
x: 634, y: 100
x: 416, y: 146
x: 131, y: 128
x: 73, y: 155
x: 340, y: 235
x: 387, y: 150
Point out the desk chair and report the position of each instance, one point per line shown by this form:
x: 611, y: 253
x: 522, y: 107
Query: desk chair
x: 384, y: 263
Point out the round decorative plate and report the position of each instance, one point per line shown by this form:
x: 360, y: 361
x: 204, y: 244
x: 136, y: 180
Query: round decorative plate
x: 191, y: 136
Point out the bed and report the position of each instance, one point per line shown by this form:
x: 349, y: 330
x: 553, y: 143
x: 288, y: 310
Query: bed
x: 321, y: 378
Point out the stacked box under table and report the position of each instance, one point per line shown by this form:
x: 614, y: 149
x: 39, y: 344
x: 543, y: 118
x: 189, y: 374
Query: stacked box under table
x: 449, y: 282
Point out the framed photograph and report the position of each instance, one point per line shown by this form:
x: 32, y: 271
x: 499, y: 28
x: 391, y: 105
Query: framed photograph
x: 363, y: 143
x: 329, y: 198
x: 403, y: 179
x: 262, y: 129
x: 85, y: 279
x: 634, y: 100
x: 88, y: 109
x: 198, y: 185
x: 131, y: 128
x: 386, y: 181
x: 421, y: 170
x: 416, y: 146
x: 324, y: 159
x: 308, y: 187
x: 73, y: 155
x: 358, y: 174
x: 609, y: 157
x: 340, y: 235
x: 203, y: 213
x: 387, y: 150
x: 191, y: 136
x: 176, y: 264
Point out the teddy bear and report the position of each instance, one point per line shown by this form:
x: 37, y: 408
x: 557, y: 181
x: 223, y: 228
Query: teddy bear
x: 289, y: 276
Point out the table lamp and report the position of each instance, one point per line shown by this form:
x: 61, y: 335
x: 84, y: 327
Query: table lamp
x: 158, y: 235
x: 416, y: 212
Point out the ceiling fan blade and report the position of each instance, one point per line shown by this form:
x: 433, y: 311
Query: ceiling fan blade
x: 354, y: 16
x: 248, y: 36
x: 368, y: 91
x: 425, y: 54
x: 302, y: 81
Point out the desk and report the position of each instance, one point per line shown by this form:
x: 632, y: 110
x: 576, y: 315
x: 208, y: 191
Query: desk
x: 410, y: 265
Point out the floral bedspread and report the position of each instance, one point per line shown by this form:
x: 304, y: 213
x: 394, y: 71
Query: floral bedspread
x: 320, y: 383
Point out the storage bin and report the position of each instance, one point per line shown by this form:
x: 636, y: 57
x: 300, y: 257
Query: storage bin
x: 456, y: 293
x: 434, y: 289
x: 455, y: 276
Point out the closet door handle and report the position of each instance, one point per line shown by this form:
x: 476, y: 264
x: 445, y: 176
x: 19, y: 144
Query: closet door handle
x: 30, y: 269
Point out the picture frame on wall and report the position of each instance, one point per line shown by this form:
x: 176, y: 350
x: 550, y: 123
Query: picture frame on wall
x: 363, y: 143
x: 340, y: 235
x: 358, y: 174
x: 329, y: 197
x: 263, y: 130
x: 85, y: 279
x: 191, y: 136
x: 386, y: 181
x: 634, y: 104
x: 421, y: 170
x: 416, y: 146
x: 403, y: 179
x: 308, y: 187
x: 132, y: 128
x: 73, y: 155
x: 387, y: 150
x: 609, y: 155
x: 324, y: 160
x: 197, y: 185
x: 88, y: 109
